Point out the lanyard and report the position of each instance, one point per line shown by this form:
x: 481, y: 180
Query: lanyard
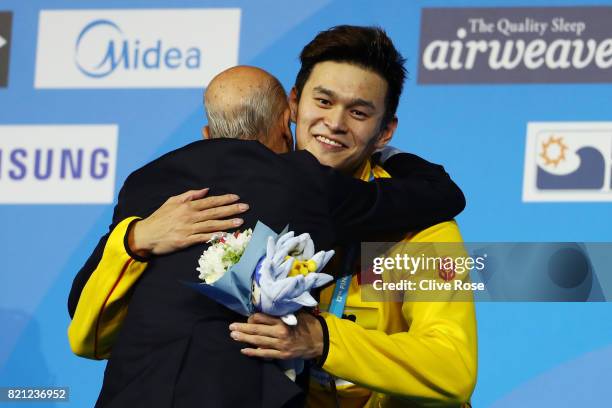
x: 336, y: 307
x: 338, y: 300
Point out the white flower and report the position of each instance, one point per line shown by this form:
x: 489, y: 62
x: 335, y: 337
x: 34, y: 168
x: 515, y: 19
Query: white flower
x: 225, y: 250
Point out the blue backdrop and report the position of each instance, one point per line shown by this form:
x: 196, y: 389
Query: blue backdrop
x: 530, y: 354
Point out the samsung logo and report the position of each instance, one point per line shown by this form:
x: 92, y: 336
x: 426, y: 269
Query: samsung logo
x: 54, y: 163
x: 57, y: 164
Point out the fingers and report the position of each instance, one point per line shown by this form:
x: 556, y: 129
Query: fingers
x: 204, y: 231
x: 214, y: 201
x: 263, y: 336
x: 217, y: 213
x: 257, y: 341
x: 191, y: 195
x: 248, y: 332
x: 212, y: 226
x: 266, y: 353
x: 262, y: 318
x: 198, y: 239
x: 274, y: 339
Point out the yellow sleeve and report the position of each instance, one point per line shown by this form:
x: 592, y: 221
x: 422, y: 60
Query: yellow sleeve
x: 103, y: 303
x: 433, y: 362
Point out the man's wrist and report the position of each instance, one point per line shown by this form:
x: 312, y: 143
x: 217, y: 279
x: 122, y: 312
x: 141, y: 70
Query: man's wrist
x: 135, y: 243
x: 324, y: 350
x: 319, y: 342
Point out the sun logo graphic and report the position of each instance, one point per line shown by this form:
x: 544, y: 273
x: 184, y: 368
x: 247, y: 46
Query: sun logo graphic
x: 553, y: 151
x: 568, y: 161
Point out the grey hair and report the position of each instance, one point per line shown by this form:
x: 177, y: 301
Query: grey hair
x: 253, y: 118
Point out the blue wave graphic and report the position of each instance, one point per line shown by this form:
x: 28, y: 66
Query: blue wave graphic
x: 589, y: 176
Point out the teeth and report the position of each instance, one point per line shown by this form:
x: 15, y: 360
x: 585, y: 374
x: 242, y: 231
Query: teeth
x: 325, y: 140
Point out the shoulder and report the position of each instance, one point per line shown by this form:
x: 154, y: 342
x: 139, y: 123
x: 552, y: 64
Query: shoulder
x: 305, y: 161
x: 447, y: 231
x: 406, y: 163
x: 208, y: 148
x: 200, y: 151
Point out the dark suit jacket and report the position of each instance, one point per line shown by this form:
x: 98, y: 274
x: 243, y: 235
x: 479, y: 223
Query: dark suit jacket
x: 174, y: 349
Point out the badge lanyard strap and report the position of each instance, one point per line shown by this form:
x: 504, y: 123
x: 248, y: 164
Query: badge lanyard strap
x: 337, y: 305
x: 338, y: 300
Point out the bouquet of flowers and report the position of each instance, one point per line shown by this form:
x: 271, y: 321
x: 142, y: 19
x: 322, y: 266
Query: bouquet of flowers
x: 259, y: 270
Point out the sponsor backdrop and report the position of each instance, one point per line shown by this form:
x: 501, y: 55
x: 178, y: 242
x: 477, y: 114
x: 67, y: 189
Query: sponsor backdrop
x: 515, y: 101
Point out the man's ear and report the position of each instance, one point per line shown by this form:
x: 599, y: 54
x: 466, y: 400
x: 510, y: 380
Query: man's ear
x: 293, y: 104
x: 386, y: 133
x: 206, y: 132
x: 286, y: 117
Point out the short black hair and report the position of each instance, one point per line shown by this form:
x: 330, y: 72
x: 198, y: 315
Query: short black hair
x: 367, y: 47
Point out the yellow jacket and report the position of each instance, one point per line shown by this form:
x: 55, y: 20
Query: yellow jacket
x: 400, y: 354
x: 397, y: 354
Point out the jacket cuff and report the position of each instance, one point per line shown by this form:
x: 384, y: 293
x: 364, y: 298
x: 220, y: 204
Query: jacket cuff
x: 126, y: 243
x: 321, y: 360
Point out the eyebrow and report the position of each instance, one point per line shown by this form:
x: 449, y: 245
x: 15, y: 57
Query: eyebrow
x: 352, y: 102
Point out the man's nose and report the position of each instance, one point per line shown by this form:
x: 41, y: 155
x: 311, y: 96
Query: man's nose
x: 335, y: 120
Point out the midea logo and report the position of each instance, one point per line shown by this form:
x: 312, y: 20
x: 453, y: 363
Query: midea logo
x: 102, y: 47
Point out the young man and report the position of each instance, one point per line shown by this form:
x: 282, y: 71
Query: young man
x: 413, y: 353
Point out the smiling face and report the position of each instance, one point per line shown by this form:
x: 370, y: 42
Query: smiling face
x: 339, y: 114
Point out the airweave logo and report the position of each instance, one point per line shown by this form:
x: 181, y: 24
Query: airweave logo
x: 568, y: 161
x: 5, y: 45
x: 135, y: 48
x: 57, y: 164
x: 516, y: 45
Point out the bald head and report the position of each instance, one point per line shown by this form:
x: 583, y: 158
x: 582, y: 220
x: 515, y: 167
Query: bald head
x: 246, y: 102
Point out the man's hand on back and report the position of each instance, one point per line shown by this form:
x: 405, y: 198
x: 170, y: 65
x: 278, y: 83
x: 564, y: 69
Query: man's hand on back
x: 184, y: 220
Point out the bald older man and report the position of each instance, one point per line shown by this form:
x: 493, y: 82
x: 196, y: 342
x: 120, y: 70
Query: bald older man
x: 246, y: 102
x: 173, y: 348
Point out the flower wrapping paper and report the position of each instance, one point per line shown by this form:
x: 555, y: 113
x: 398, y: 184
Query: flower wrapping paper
x: 234, y: 289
